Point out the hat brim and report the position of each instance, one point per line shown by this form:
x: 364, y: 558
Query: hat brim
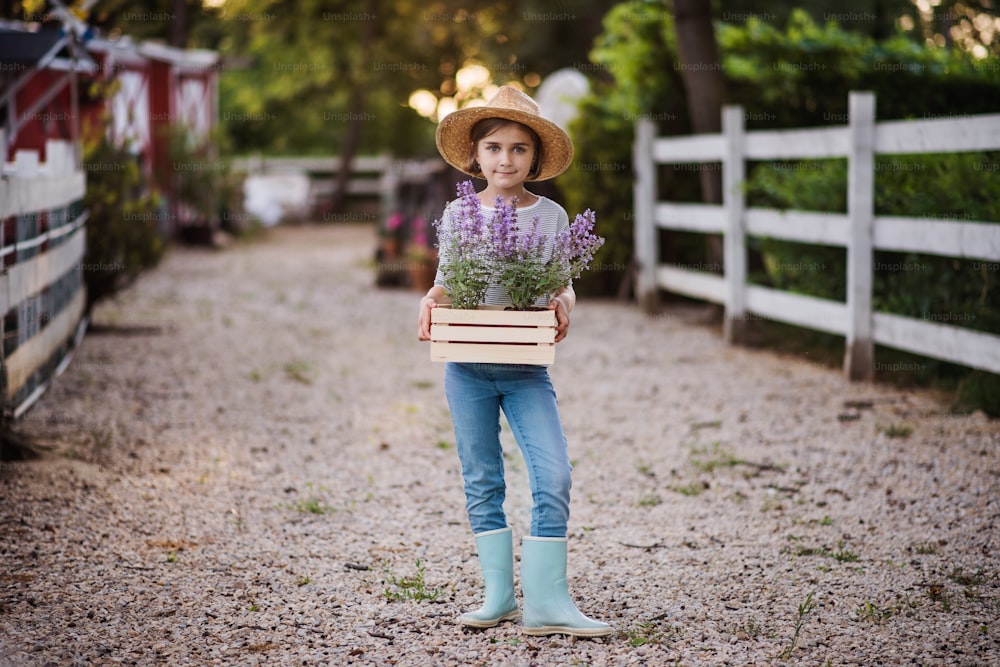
x: 454, y: 139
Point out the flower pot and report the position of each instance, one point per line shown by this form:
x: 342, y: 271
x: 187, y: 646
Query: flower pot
x: 421, y: 274
x: 492, y: 335
x: 390, y: 249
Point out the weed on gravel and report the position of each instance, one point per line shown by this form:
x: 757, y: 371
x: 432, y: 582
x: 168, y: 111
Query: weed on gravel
x: 314, y: 501
x: 805, y: 610
x: 401, y: 589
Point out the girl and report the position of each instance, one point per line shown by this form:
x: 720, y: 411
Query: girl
x: 508, y: 143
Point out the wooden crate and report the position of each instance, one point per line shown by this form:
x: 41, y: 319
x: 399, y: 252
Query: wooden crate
x: 492, y: 335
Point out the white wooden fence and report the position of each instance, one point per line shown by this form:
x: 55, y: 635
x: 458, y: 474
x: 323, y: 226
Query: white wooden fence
x: 42, y: 294
x: 372, y: 176
x: 860, y: 231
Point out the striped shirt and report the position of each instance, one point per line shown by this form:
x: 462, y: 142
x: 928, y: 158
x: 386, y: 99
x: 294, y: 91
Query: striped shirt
x: 552, y: 218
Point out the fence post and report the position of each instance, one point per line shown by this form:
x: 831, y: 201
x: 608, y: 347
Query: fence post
x: 389, y: 181
x: 734, y: 239
x: 859, y: 353
x: 643, y: 224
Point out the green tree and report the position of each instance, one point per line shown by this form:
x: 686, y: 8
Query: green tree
x: 969, y: 24
x: 309, y: 62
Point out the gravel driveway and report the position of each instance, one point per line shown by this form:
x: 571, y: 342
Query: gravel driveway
x: 250, y: 462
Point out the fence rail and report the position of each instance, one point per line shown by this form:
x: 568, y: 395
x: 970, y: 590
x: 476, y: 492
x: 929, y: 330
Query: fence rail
x: 860, y: 231
x: 42, y: 294
x: 375, y: 176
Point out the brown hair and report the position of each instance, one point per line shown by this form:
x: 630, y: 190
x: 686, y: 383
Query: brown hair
x: 488, y: 126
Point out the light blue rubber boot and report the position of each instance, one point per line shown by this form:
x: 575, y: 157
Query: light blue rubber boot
x: 548, y: 609
x: 496, y: 558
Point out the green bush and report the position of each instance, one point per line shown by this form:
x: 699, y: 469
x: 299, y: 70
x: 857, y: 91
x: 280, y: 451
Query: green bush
x: 944, y: 186
x: 124, y: 236
x: 955, y: 291
x: 800, y: 76
x: 595, y: 182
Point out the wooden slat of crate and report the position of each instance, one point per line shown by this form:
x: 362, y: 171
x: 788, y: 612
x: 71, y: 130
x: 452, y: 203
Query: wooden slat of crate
x: 471, y: 333
x: 495, y: 316
x: 490, y: 353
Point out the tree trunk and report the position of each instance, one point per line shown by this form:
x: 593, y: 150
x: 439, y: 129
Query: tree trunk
x: 178, y: 24
x: 705, y: 88
x: 356, y: 111
x: 703, y: 80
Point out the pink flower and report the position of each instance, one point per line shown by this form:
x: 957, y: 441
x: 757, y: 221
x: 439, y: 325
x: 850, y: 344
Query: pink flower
x: 419, y: 235
x: 394, y: 221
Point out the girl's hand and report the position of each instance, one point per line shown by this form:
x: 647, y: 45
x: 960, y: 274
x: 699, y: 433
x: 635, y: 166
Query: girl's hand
x: 424, y: 318
x: 562, y: 317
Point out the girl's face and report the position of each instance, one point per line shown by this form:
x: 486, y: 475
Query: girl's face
x: 505, y: 156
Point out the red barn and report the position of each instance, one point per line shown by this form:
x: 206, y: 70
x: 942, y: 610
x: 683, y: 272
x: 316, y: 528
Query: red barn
x: 39, y: 86
x: 158, y: 87
x: 45, y: 72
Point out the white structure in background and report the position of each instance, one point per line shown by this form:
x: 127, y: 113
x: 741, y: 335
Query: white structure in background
x: 276, y: 196
x: 559, y: 95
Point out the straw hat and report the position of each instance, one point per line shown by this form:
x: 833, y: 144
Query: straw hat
x: 454, y: 132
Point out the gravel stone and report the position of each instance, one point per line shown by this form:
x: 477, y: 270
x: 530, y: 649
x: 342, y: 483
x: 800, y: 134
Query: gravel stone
x: 251, y: 448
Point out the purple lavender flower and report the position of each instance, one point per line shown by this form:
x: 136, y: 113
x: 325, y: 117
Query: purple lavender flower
x: 581, y: 243
x: 530, y: 244
x: 503, y: 228
x: 465, y: 252
x: 562, y: 248
x: 470, y: 227
x: 526, y: 263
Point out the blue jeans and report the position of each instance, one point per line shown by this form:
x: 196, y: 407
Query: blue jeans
x: 476, y: 394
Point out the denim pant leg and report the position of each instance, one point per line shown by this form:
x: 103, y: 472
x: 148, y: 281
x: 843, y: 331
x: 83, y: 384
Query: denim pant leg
x: 475, y: 413
x: 529, y: 401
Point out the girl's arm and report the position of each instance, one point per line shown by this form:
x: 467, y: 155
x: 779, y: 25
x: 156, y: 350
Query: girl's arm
x: 562, y: 302
x: 435, y: 296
